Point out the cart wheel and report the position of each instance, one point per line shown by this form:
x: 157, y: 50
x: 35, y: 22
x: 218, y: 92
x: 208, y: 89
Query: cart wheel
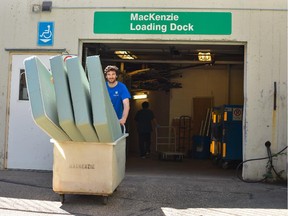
x: 105, y: 200
x: 62, y: 198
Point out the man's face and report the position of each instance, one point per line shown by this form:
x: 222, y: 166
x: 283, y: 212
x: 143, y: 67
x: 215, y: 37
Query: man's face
x: 111, y: 76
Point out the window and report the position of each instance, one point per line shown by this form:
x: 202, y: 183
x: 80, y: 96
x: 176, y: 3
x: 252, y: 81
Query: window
x: 23, y: 93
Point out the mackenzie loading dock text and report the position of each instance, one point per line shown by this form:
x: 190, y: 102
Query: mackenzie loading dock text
x: 154, y: 22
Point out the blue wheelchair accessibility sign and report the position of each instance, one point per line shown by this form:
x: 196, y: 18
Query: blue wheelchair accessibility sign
x: 45, y: 33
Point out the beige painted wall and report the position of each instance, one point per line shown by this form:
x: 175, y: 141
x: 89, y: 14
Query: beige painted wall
x: 207, y: 81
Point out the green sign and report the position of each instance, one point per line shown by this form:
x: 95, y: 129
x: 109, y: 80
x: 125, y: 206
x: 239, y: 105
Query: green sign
x: 201, y: 23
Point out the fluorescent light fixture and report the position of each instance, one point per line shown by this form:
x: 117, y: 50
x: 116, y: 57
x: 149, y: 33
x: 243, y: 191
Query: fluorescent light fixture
x: 204, y: 56
x: 140, y: 96
x: 125, y: 55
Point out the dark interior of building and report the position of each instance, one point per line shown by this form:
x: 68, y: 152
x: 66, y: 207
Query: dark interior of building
x: 153, y: 67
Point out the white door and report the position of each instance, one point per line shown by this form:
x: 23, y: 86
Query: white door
x: 28, y: 146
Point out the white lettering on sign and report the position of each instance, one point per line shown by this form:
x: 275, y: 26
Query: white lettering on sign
x: 148, y: 27
x: 152, y: 23
x: 175, y: 27
x: 154, y: 17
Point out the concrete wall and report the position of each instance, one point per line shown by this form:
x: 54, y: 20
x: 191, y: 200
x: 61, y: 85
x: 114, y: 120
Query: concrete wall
x: 261, y: 25
x: 207, y: 82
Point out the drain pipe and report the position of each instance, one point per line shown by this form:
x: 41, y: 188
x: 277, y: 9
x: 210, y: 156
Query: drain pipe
x: 275, y: 97
x: 274, y: 116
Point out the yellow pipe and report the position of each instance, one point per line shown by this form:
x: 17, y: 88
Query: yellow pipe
x: 214, y: 118
x: 212, y: 147
x: 225, y: 116
x: 224, y: 150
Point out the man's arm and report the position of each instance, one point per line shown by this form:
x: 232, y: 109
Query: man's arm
x: 126, y: 108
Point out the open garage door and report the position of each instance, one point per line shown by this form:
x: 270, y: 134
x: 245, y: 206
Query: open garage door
x: 176, y: 76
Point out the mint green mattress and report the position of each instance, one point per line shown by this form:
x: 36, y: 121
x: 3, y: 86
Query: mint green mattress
x: 69, y: 107
x: 42, y: 98
x: 63, y: 99
x: 80, y: 94
x: 105, y: 119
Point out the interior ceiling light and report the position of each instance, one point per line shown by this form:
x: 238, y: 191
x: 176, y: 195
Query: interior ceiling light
x: 204, y: 56
x: 140, y: 96
x: 125, y: 55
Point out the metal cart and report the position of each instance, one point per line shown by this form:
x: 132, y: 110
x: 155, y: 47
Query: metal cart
x: 231, y: 135
x: 89, y: 168
x: 184, y: 134
x: 226, y: 136
x: 166, y: 145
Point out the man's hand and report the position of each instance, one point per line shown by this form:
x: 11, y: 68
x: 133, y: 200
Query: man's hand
x: 122, y: 121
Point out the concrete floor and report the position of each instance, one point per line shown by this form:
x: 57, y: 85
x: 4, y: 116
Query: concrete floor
x: 150, y: 187
x: 186, y: 167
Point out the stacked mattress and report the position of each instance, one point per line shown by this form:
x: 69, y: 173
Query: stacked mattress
x: 68, y: 106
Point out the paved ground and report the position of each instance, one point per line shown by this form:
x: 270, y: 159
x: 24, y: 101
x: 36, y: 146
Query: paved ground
x: 151, y: 187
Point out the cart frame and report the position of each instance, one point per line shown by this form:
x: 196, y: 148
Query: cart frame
x: 168, y: 142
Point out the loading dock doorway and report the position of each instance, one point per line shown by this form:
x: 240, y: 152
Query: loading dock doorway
x: 172, y: 74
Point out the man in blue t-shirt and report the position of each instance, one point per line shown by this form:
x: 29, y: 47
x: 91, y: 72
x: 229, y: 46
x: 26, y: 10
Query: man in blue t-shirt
x: 118, y: 92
